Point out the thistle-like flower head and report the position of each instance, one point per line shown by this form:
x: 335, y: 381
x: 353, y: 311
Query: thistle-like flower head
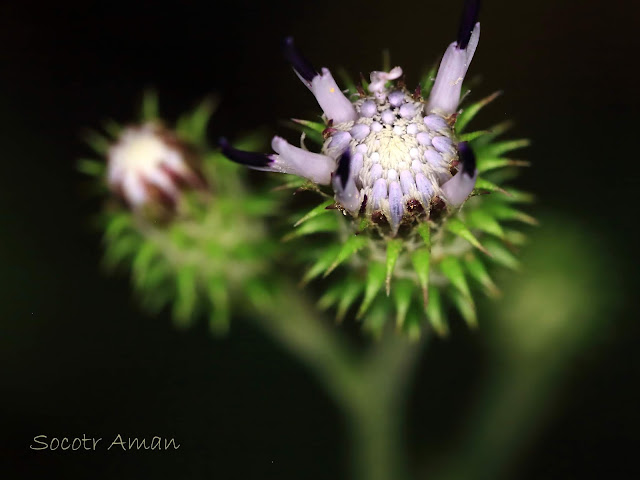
x: 401, y: 166
x: 389, y: 155
x: 399, y: 161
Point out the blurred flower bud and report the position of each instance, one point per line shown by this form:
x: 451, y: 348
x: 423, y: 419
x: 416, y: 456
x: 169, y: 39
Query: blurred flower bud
x: 149, y: 164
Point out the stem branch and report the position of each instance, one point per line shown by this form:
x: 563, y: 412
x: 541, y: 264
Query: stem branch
x: 369, y: 387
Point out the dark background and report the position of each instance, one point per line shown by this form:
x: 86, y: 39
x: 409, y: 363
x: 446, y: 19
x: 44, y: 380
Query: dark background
x: 77, y: 355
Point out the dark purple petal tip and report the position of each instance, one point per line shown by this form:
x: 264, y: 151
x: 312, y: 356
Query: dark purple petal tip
x: 467, y: 158
x: 298, y: 61
x: 344, y: 168
x: 250, y: 159
x: 467, y: 22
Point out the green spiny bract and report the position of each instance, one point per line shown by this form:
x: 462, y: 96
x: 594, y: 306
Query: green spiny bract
x: 198, y: 246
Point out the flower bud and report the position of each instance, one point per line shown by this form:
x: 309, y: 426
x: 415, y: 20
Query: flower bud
x: 150, y: 165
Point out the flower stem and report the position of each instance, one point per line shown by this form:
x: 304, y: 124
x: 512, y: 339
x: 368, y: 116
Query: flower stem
x: 369, y: 387
x: 377, y: 446
x: 375, y: 417
x: 291, y: 320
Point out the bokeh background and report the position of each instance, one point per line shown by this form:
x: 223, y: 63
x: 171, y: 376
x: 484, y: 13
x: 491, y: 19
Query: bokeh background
x: 77, y: 355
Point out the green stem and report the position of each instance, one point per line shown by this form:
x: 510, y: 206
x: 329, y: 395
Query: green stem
x: 377, y: 446
x: 369, y: 388
x: 375, y: 417
x: 291, y: 320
